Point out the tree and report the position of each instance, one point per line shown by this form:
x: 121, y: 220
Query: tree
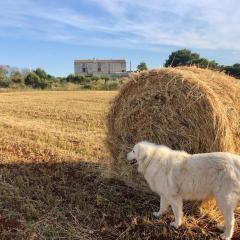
x: 32, y: 79
x: 41, y: 73
x: 4, y: 81
x: 185, y: 57
x: 142, y: 66
x: 233, y: 70
x: 181, y: 57
x: 76, y: 78
x: 16, y: 77
x: 205, y: 63
x: 237, y: 65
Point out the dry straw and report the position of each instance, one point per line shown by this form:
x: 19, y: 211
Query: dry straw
x: 185, y: 108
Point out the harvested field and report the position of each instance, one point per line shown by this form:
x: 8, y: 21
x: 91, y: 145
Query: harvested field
x: 53, y: 175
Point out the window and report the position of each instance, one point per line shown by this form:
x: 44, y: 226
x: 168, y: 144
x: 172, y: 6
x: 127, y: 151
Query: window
x: 84, y: 69
x: 99, y: 67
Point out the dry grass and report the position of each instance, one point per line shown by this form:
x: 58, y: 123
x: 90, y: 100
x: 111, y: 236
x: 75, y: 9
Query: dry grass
x: 52, y: 184
x: 53, y: 126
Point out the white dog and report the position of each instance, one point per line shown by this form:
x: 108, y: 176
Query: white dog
x: 178, y: 176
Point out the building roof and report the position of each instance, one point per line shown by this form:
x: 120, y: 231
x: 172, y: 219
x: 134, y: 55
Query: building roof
x: 100, y: 61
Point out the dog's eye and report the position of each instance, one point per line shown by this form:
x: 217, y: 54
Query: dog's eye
x: 133, y: 151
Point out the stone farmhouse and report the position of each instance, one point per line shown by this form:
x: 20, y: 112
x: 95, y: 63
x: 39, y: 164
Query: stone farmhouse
x: 96, y: 67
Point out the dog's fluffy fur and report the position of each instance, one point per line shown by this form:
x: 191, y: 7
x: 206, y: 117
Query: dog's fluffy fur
x: 178, y: 176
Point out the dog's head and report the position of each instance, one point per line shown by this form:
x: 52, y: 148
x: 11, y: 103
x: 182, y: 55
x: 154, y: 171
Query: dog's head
x: 139, y: 154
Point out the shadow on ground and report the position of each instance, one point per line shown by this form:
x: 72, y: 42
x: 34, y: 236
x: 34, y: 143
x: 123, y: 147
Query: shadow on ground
x: 75, y: 201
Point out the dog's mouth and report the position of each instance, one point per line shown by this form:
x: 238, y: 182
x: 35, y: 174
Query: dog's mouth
x: 134, y: 161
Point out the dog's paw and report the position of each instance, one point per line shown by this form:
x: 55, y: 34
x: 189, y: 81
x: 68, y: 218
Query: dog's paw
x: 224, y: 237
x: 156, y: 214
x: 174, y: 224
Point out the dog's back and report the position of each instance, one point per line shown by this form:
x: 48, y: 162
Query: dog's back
x: 205, y: 174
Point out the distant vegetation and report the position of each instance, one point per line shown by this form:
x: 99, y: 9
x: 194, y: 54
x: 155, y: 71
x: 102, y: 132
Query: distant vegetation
x: 185, y: 57
x: 233, y: 70
x: 15, y: 78
x: 142, y: 66
x: 38, y: 79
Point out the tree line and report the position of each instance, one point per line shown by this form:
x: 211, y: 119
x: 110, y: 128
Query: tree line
x: 15, y: 78
x: 39, y: 79
x: 186, y: 57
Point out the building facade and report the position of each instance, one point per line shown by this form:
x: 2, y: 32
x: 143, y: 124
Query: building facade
x: 100, y: 67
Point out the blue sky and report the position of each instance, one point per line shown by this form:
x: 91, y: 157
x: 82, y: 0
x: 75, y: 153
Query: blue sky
x: 51, y: 34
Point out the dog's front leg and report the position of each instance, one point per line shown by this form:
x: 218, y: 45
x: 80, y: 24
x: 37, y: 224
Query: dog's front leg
x: 163, y: 207
x: 177, y: 205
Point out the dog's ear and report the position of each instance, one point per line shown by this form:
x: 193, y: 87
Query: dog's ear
x: 141, y: 152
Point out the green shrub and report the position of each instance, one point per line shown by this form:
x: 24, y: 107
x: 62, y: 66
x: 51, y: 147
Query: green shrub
x: 4, y: 82
x: 42, y: 74
x: 95, y: 78
x: 232, y: 70
x: 76, y: 78
x: 16, y: 77
x: 33, y: 80
x: 113, y: 86
x: 87, y: 86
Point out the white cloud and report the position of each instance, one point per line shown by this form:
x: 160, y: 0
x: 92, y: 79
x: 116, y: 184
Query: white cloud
x: 186, y: 23
x: 206, y: 24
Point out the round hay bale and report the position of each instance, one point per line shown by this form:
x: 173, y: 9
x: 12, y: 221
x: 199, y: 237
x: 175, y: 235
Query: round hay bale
x: 186, y: 108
